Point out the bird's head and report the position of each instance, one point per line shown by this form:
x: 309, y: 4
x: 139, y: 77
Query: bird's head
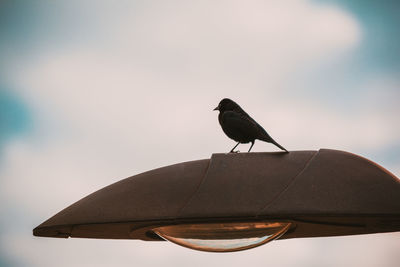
x: 226, y: 105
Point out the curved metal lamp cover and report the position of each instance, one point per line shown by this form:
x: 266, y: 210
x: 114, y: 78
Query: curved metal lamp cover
x: 320, y: 193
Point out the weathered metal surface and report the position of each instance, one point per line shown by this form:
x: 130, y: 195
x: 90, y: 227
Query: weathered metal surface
x: 323, y: 193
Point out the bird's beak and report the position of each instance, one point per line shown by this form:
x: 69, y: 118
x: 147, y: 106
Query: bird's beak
x: 217, y: 108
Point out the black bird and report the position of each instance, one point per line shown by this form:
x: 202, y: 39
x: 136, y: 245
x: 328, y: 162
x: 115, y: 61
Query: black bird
x: 239, y: 126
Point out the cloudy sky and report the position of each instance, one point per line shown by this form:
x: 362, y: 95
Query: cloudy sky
x: 95, y: 91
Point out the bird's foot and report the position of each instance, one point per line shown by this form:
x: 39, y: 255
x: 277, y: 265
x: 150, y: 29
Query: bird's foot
x: 237, y: 151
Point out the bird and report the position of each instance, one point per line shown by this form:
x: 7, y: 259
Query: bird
x: 239, y: 126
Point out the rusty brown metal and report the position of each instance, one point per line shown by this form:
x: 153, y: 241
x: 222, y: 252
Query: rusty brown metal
x: 322, y: 193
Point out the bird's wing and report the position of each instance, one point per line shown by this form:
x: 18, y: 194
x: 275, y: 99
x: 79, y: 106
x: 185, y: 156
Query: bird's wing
x: 239, y: 125
x: 242, y: 128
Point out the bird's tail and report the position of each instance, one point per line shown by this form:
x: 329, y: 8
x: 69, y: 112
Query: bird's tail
x: 269, y: 139
x: 278, y: 145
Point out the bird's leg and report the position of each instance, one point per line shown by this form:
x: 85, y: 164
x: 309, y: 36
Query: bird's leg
x: 234, y: 148
x: 252, y: 144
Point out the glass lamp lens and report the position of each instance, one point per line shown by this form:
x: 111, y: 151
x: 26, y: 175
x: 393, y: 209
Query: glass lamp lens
x: 223, y: 237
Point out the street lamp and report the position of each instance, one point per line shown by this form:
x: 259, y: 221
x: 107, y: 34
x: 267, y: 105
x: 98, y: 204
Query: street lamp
x: 238, y: 201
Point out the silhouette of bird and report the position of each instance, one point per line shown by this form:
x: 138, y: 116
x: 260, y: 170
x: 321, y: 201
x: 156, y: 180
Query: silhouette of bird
x: 239, y: 126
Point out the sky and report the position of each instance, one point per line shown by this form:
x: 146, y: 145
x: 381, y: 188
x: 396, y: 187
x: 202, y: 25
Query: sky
x: 92, y: 92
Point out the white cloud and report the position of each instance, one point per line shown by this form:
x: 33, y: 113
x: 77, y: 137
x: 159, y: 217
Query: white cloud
x: 172, y: 61
x: 139, y: 95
